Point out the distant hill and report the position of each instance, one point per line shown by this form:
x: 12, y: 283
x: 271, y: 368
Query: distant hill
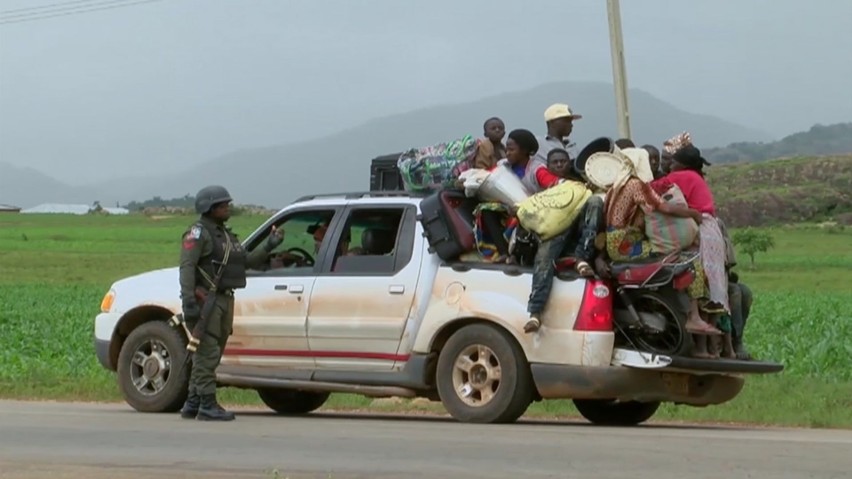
x: 26, y: 187
x: 273, y: 176
x: 819, y: 140
x: 781, y: 191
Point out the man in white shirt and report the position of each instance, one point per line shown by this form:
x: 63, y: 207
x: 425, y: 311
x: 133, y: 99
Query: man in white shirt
x: 560, y: 123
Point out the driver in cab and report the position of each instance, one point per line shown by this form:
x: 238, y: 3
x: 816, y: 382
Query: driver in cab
x: 293, y: 258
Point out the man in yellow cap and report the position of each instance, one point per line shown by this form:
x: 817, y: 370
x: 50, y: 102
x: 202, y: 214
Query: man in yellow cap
x: 560, y: 122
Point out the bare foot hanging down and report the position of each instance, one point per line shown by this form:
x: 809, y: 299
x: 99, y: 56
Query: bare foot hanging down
x: 699, y: 349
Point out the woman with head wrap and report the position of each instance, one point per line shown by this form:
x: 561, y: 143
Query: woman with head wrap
x: 687, y: 172
x: 627, y: 203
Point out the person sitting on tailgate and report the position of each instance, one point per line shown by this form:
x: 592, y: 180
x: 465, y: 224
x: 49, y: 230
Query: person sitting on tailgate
x: 578, y: 238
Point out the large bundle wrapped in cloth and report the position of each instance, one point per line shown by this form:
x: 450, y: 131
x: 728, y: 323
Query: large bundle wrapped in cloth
x: 436, y: 167
x: 550, y: 212
x: 667, y: 233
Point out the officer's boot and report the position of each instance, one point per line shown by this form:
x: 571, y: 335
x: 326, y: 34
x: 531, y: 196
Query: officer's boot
x: 210, y: 410
x: 190, y: 407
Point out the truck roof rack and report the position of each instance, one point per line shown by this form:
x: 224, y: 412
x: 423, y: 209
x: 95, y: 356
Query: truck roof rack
x: 361, y: 194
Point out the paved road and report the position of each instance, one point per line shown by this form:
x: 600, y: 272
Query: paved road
x: 59, y: 440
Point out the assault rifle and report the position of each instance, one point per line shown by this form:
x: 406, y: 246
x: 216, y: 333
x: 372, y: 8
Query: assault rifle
x: 197, y: 333
x: 200, y: 328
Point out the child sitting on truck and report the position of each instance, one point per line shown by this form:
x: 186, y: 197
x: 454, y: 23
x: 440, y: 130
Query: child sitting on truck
x: 490, y: 150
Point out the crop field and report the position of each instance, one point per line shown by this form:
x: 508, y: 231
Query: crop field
x: 54, y: 270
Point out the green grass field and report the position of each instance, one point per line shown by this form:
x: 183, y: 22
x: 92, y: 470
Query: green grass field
x: 54, y: 270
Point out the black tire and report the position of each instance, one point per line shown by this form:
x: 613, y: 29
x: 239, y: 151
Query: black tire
x: 291, y: 402
x: 511, y: 395
x: 611, y: 413
x: 171, y: 396
x: 675, y: 340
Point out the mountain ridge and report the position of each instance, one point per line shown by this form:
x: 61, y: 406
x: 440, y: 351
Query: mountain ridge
x: 274, y: 175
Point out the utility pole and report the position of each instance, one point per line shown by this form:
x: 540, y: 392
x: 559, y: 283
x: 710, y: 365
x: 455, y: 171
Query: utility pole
x: 619, y: 76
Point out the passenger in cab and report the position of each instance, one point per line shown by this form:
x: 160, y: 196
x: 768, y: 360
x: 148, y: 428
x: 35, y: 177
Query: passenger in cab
x: 627, y: 202
x: 578, y: 239
x: 319, y: 231
x: 490, y: 150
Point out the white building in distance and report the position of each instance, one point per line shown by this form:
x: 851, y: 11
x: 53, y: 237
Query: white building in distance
x: 72, y: 209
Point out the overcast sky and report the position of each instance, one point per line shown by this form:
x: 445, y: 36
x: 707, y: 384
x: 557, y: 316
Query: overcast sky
x: 125, y: 91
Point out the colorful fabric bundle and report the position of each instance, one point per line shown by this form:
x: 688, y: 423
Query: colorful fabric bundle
x: 435, y: 167
x: 484, y: 244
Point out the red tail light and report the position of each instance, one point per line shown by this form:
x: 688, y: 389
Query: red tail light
x: 596, y: 308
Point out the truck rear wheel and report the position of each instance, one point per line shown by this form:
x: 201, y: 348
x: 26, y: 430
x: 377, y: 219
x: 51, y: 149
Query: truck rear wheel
x: 613, y: 413
x: 483, y: 376
x: 148, y: 366
x: 291, y: 402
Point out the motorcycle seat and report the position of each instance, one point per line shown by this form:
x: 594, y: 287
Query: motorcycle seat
x: 655, y: 268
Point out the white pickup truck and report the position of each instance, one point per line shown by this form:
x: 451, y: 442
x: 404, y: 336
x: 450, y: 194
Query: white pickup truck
x: 396, y: 320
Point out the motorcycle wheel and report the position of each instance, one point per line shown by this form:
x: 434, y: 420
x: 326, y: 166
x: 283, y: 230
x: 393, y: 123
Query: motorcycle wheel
x: 674, y: 340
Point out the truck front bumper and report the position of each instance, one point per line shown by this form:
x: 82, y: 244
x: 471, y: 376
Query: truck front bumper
x: 102, y: 352
x: 104, y: 326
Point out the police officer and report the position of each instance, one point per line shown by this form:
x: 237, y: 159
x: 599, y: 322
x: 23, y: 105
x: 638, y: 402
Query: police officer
x: 209, y: 248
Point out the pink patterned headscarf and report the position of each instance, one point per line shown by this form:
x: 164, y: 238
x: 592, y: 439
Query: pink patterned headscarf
x: 677, y: 142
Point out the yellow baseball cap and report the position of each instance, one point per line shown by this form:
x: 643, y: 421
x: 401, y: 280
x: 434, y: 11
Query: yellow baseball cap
x: 559, y: 110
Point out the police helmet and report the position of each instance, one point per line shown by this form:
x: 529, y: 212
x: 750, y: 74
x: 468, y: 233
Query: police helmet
x: 209, y: 196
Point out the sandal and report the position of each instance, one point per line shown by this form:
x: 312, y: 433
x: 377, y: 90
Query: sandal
x: 532, y: 325
x: 702, y: 328
x: 702, y: 355
x: 584, y: 269
x: 742, y: 353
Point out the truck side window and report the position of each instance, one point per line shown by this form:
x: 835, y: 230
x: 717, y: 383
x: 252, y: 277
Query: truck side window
x: 370, y: 242
x: 304, y: 232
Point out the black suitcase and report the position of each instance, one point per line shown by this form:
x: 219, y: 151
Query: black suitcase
x: 384, y: 175
x: 447, y: 219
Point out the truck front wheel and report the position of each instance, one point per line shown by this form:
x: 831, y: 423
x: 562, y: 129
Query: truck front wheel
x: 483, y: 376
x: 148, y: 366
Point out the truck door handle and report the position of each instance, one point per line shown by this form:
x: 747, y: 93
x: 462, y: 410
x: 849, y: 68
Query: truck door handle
x: 295, y: 289
x: 396, y: 289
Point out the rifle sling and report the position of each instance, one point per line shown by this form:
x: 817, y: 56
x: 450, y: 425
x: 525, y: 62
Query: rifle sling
x: 211, y: 281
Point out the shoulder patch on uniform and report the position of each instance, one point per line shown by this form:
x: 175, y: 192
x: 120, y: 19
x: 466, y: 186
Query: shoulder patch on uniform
x: 194, y: 232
